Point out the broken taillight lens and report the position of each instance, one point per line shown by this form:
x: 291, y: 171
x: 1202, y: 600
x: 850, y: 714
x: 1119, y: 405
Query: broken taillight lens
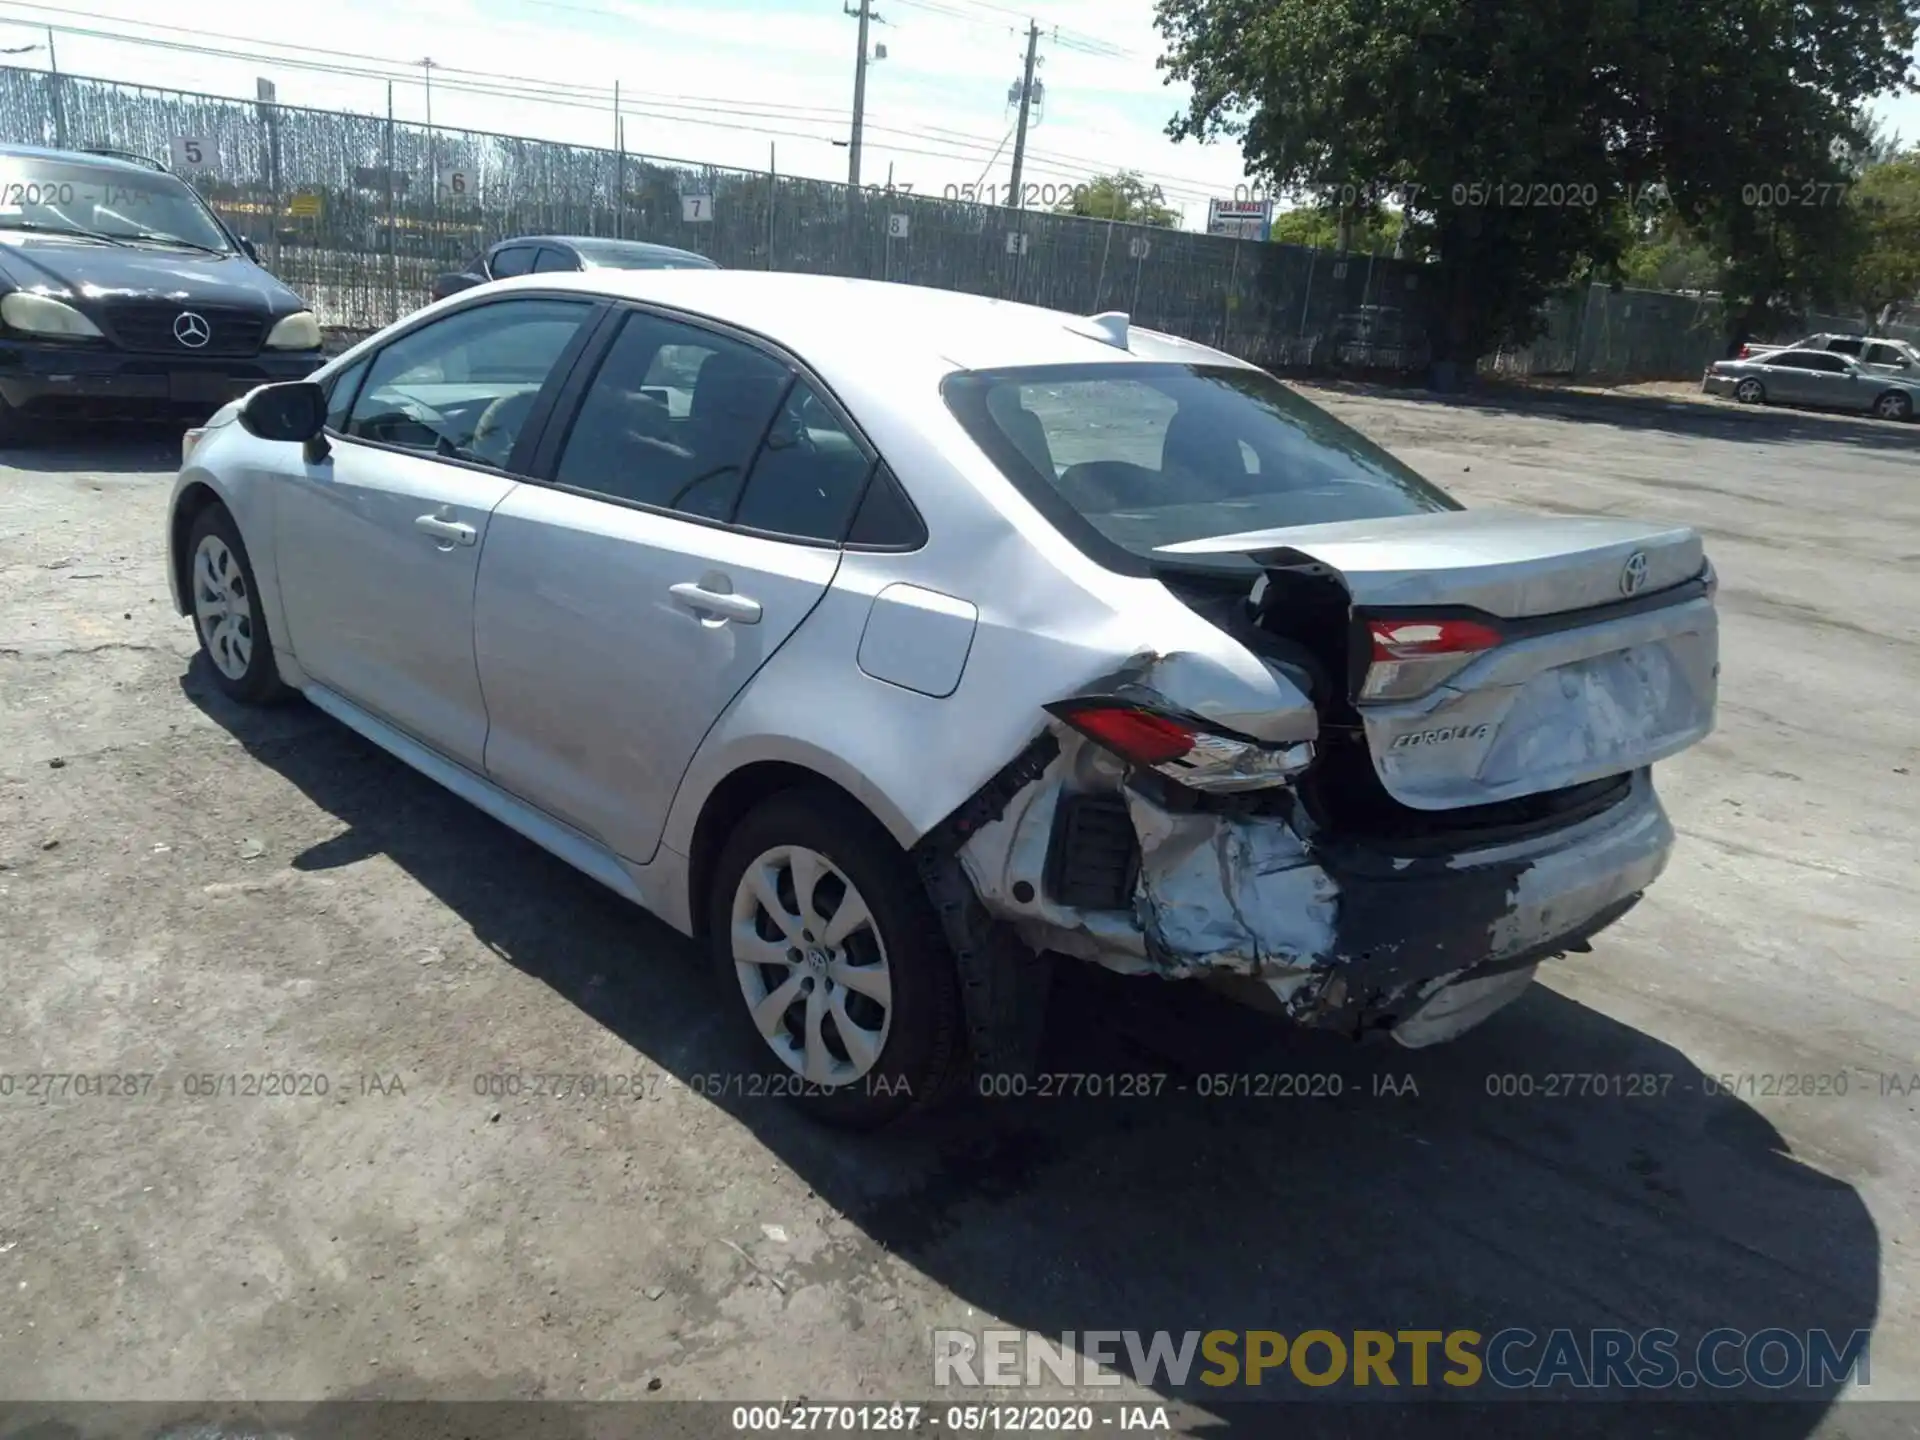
x: 1410, y: 656
x: 1182, y: 749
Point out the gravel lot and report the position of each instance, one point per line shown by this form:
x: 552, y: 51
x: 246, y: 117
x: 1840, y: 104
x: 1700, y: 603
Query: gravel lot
x: 190, y: 890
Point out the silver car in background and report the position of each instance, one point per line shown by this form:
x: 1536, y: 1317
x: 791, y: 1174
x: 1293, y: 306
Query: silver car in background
x: 895, y: 643
x: 1817, y: 379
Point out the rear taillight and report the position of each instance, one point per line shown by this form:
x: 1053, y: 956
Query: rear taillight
x: 1411, y: 656
x: 1746, y: 352
x: 1182, y: 748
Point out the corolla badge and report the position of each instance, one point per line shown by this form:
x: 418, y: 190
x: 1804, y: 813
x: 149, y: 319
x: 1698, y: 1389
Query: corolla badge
x: 191, y: 330
x: 1633, y: 575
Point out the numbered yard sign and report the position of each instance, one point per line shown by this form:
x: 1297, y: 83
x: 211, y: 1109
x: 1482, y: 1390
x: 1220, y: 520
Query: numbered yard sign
x: 696, y: 209
x: 457, y: 183
x: 1139, y: 248
x: 896, y: 227
x: 1016, y: 243
x: 191, y: 152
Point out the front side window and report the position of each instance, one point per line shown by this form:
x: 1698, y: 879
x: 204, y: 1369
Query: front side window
x: 673, y: 418
x: 464, y: 385
x: 106, y: 202
x: 1153, y: 454
x: 1884, y: 355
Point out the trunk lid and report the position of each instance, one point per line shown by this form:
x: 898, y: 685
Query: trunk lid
x: 1494, y: 655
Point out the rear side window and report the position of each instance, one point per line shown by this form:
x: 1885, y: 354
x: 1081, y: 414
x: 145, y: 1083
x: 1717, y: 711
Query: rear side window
x: 809, y: 475
x: 673, y: 418
x: 1845, y: 347
x: 553, y: 260
x: 1138, y: 456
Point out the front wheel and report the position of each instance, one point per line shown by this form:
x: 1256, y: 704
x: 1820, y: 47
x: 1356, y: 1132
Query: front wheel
x: 828, y: 950
x: 1893, y: 406
x: 1750, y: 392
x: 226, y: 611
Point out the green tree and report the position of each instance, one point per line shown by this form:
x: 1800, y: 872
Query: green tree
x: 1513, y: 130
x: 1121, y: 196
x: 1373, y: 232
x: 1887, y: 198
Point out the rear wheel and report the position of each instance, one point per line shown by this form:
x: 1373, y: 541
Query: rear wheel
x: 1750, y: 392
x: 827, y: 948
x: 226, y: 611
x: 1893, y: 406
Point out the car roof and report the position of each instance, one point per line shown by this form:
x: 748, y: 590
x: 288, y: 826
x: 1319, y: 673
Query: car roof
x: 111, y: 162
x: 819, y: 316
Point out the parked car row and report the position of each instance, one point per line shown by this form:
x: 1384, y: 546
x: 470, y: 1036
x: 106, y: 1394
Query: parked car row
x: 1818, y: 379
x: 1875, y: 352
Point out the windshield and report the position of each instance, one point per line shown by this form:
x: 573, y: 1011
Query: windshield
x: 77, y: 198
x: 1150, y: 455
x: 622, y: 257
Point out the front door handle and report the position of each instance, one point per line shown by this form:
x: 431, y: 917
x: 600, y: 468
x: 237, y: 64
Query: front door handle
x: 719, y: 604
x: 452, y: 532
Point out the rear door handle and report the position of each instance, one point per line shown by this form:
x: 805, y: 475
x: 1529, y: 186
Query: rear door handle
x: 452, y: 532
x: 720, y: 604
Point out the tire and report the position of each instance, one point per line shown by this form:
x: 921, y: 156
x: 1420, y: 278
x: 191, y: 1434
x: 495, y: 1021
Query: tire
x: 890, y: 981
x: 226, y: 611
x: 1893, y: 406
x: 1750, y: 392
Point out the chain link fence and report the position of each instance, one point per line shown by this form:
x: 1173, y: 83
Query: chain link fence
x: 358, y: 213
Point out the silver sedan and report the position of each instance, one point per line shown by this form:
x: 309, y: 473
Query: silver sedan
x: 1816, y: 379
x: 897, y: 643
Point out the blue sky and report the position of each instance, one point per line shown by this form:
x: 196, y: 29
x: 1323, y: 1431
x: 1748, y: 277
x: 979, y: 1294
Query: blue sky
x: 715, y: 80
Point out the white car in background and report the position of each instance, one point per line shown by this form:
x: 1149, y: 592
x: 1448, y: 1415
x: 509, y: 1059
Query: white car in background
x: 895, y: 642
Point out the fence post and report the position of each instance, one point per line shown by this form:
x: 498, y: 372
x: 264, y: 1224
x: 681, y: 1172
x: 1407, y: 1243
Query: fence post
x: 773, y: 194
x: 393, y: 225
x: 1306, y: 301
x: 1227, y: 305
x: 1100, y: 284
x: 54, y: 94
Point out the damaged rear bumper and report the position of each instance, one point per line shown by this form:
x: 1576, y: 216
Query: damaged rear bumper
x: 1347, y: 936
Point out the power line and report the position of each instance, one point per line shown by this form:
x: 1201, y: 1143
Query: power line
x: 701, y: 110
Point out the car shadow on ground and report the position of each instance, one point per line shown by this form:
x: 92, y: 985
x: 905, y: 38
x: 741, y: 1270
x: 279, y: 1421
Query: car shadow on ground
x: 1693, y: 418
x: 1403, y: 1190
x: 104, y: 449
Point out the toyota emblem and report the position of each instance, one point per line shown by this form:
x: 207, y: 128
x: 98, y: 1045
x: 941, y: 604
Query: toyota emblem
x: 1633, y: 575
x: 192, y: 330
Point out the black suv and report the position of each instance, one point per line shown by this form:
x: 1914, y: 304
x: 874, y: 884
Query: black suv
x: 123, y: 296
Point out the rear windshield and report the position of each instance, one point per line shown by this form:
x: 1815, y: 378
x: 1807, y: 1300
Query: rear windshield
x: 1139, y: 456
x: 622, y: 257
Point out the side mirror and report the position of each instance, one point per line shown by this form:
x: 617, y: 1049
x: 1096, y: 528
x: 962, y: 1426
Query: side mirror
x: 294, y: 410
x: 247, y: 249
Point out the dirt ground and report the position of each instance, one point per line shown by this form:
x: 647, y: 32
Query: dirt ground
x: 190, y: 892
